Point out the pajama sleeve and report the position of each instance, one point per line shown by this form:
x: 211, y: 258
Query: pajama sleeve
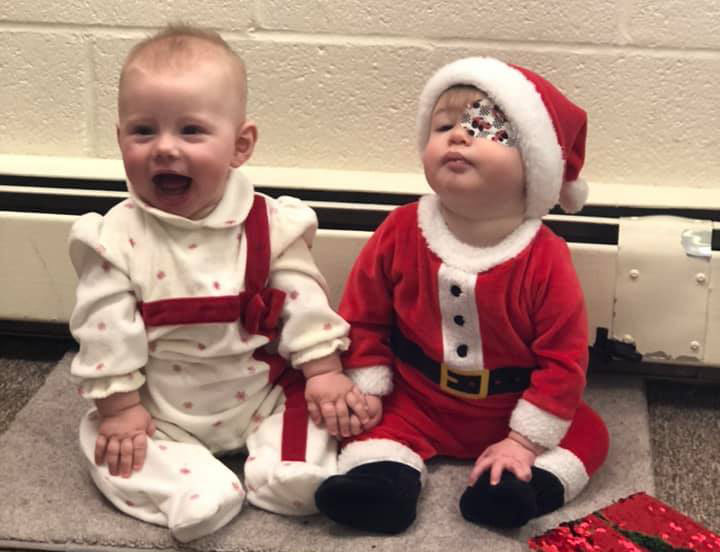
x: 546, y: 408
x: 311, y: 329
x: 367, y: 304
x: 105, y: 321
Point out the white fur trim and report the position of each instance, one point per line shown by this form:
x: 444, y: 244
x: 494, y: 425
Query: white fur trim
x: 462, y: 255
x: 573, y: 195
x: 373, y: 380
x: 358, y: 453
x: 523, y: 106
x: 538, y: 425
x: 567, y: 467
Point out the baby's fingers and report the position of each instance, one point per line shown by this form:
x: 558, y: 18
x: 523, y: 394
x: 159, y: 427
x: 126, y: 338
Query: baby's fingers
x: 330, y: 418
x: 482, y: 464
x: 112, y: 455
x: 356, y: 428
x: 314, y: 413
x: 126, y: 457
x: 357, y: 403
x: 140, y: 447
x: 100, y: 448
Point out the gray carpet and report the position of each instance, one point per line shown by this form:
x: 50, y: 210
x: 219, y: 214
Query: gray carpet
x: 50, y: 502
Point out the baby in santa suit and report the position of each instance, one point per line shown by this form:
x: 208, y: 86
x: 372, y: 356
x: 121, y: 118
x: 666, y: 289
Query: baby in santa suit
x: 470, y: 308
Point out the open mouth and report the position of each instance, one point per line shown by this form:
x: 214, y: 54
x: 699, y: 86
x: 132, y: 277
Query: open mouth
x: 171, y: 183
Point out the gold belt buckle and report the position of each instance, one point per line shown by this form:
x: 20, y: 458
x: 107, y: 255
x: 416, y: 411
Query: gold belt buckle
x: 447, y: 377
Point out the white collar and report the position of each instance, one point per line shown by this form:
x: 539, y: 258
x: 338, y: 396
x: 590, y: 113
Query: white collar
x: 231, y: 211
x: 461, y: 255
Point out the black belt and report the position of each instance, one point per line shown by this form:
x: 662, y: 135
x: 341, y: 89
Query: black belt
x: 469, y: 384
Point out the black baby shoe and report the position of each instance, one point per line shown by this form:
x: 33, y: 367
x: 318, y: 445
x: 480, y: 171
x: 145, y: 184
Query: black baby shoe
x: 512, y: 502
x: 379, y: 496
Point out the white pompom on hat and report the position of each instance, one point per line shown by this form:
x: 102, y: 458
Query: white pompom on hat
x: 550, y: 128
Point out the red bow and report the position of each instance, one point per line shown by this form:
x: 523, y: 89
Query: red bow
x: 262, y: 310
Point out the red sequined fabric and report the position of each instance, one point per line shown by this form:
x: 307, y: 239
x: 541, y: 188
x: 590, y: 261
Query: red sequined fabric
x: 637, y: 523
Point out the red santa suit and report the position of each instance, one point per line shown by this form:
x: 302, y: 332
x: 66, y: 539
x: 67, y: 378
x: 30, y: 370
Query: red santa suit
x: 480, y: 341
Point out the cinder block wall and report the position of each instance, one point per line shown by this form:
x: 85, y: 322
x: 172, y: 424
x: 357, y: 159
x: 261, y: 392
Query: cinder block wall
x: 333, y: 84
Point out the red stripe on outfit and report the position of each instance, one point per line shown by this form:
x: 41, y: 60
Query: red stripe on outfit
x: 193, y: 310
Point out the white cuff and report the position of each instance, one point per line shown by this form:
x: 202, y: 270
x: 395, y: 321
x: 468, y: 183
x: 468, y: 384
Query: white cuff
x: 372, y: 380
x: 368, y: 451
x: 567, y: 467
x: 541, y: 427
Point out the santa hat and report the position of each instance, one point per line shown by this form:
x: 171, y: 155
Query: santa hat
x: 550, y: 128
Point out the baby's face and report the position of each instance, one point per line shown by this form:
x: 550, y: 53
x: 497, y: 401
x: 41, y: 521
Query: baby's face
x: 469, y: 159
x: 178, y: 134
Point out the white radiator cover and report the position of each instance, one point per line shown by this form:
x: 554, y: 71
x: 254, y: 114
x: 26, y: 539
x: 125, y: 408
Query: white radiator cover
x: 38, y: 285
x: 644, y: 290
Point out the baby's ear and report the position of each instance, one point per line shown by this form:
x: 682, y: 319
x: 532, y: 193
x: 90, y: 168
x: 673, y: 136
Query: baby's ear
x: 244, y: 143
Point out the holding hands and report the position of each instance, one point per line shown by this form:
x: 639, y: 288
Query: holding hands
x: 335, y: 401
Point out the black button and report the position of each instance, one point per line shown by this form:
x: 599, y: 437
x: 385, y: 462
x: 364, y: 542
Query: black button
x: 459, y: 320
x: 455, y: 290
x: 462, y: 350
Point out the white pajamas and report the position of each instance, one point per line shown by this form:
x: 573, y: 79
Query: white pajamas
x: 182, y: 310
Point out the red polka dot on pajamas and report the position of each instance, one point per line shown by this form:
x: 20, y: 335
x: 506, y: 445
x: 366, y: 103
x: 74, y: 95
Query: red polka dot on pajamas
x: 99, y: 366
x: 216, y: 285
x: 131, y: 242
x: 185, y: 471
x: 102, y: 326
x: 160, y: 275
x: 294, y: 295
x: 106, y: 266
x: 192, y: 246
x: 188, y: 405
x: 177, y: 368
x: 237, y: 486
x: 327, y: 326
x: 217, y: 424
x: 240, y: 395
x: 195, y: 497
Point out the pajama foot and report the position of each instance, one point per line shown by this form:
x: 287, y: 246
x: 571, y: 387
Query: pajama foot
x: 512, y: 502
x: 196, y: 515
x: 379, y: 496
x: 509, y: 504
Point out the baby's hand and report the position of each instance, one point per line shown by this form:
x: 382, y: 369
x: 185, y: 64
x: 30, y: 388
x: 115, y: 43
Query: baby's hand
x: 122, y: 440
x: 367, y: 411
x: 507, y: 454
x: 326, y: 395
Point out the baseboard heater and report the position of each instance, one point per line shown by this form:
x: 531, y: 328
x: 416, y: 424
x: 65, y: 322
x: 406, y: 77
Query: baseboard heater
x: 649, y: 274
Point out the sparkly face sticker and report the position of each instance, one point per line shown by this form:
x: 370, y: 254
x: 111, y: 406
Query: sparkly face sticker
x: 484, y: 119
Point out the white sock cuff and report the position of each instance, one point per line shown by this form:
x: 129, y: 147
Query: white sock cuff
x: 567, y: 467
x: 358, y: 453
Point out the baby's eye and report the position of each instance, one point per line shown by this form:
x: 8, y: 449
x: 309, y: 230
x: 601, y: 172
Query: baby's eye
x: 443, y: 127
x: 143, y: 130
x: 192, y: 129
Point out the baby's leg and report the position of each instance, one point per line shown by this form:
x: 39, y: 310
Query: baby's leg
x: 558, y: 476
x: 289, y: 456
x: 181, y: 486
x: 382, y: 471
